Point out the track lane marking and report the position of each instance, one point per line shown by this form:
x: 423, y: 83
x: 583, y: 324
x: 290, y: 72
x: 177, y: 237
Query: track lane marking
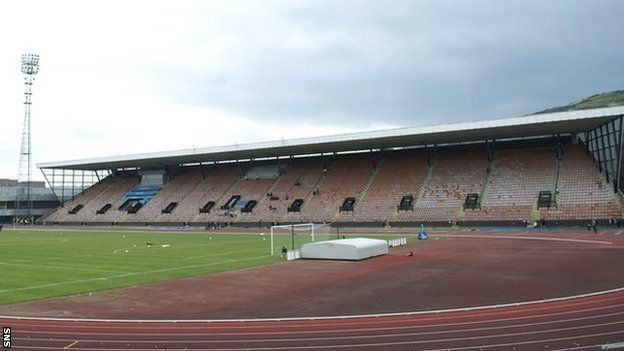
x: 356, y: 337
x: 392, y: 314
x: 535, y: 309
x: 481, y: 347
x: 380, y: 344
x: 31, y: 332
x: 70, y: 345
x: 580, y: 348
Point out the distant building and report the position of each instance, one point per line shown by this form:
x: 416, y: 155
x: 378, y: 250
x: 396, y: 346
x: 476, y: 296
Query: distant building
x: 43, y: 198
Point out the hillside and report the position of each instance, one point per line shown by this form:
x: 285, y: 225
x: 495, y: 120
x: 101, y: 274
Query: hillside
x: 609, y: 99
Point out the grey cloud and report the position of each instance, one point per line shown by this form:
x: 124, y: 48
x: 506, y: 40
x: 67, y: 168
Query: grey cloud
x: 406, y: 62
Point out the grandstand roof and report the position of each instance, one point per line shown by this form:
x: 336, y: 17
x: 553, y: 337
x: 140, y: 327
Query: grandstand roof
x: 525, y: 126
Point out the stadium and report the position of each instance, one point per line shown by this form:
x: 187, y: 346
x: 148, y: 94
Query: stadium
x: 312, y: 175
x: 181, y: 249
x: 503, y: 172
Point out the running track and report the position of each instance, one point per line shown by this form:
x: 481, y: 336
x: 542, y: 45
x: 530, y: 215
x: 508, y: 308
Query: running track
x: 585, y: 323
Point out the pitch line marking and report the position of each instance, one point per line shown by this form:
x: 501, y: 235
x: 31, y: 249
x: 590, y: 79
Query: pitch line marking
x: 108, y: 253
x: 131, y: 274
x: 140, y: 250
x: 62, y: 267
x: 221, y: 254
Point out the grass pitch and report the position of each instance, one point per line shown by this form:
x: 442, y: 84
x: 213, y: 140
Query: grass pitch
x: 41, y: 264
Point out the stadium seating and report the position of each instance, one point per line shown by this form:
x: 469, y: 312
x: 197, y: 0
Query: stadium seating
x: 507, y: 190
x: 174, y: 191
x: 344, y: 179
x: 82, y: 199
x: 217, y: 180
x: 296, y: 183
x: 515, y: 180
x: 397, y: 176
x: 113, y: 194
x: 453, y: 175
x: 583, y: 192
x: 248, y: 190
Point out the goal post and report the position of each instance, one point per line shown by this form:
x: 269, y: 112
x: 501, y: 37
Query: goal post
x: 295, y: 235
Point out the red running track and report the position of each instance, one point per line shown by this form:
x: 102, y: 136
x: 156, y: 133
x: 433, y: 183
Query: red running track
x: 586, y: 323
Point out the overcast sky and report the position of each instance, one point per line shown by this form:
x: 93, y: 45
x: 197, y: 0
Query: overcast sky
x: 121, y: 77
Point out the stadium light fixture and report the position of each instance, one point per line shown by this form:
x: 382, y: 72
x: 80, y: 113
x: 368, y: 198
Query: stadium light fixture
x: 30, y: 64
x: 23, y: 209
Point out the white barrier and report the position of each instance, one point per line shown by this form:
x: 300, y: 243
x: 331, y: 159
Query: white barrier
x: 293, y: 254
x: 397, y: 242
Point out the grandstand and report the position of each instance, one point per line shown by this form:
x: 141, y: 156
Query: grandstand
x: 561, y: 167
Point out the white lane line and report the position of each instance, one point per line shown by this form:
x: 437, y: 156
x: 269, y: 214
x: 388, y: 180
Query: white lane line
x: 355, y: 322
x: 378, y: 344
x: 587, y: 347
x: 544, y: 341
x: 70, y: 345
x: 392, y: 314
x: 131, y: 274
x: 329, y: 324
x: 360, y: 337
x: 342, y: 331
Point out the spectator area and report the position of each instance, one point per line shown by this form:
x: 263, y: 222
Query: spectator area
x: 437, y: 181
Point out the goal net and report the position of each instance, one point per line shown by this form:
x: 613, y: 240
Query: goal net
x: 293, y: 236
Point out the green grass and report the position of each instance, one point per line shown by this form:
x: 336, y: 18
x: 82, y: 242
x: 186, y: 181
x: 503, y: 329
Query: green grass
x: 609, y: 99
x: 41, y: 264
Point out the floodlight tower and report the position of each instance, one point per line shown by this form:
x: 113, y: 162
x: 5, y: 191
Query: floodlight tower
x: 23, y: 197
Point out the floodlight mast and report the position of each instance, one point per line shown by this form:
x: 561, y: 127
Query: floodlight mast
x: 23, y: 212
